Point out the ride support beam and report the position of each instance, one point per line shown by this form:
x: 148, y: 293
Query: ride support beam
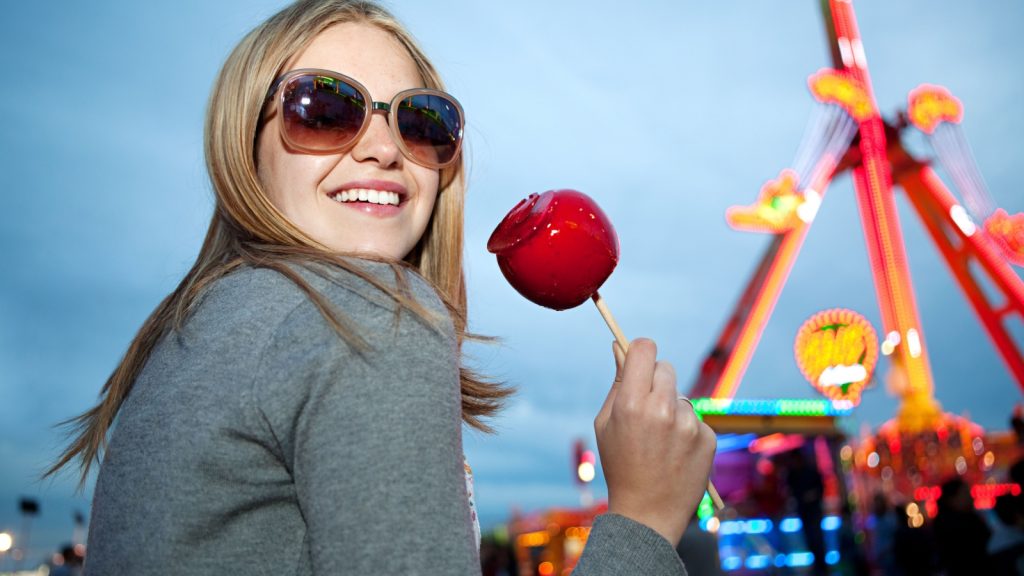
x: 962, y: 244
x: 886, y: 250
x: 724, y: 367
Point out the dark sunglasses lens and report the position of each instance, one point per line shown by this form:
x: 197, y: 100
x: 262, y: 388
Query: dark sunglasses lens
x: 431, y: 128
x: 322, y: 113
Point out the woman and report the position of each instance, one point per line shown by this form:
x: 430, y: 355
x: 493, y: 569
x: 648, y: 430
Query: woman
x: 295, y: 406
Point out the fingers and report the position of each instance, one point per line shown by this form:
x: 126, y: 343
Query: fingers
x: 620, y: 359
x: 664, y: 386
x: 606, y: 408
x: 638, y: 370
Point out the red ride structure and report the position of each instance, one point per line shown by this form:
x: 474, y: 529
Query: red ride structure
x: 848, y: 134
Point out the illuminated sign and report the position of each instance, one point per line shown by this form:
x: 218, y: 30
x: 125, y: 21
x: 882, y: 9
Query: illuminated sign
x: 836, y: 351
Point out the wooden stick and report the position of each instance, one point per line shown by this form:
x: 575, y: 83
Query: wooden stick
x: 610, y: 321
x: 715, y: 498
x: 621, y: 339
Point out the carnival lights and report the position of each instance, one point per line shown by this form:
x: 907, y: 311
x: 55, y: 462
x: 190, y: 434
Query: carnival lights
x: 847, y: 134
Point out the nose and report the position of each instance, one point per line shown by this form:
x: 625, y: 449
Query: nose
x: 377, y: 144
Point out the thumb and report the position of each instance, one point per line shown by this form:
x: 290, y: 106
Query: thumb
x: 620, y: 360
x: 606, y: 408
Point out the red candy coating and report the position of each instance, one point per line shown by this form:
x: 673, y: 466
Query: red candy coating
x: 556, y: 248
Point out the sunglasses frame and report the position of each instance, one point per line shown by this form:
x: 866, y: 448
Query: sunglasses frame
x: 389, y: 108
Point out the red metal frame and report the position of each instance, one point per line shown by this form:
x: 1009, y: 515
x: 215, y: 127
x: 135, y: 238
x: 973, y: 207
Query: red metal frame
x: 869, y: 161
x: 934, y: 204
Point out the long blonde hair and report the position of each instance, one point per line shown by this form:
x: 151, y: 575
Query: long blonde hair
x: 247, y: 229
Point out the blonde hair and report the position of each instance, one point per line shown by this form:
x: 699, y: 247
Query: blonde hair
x: 247, y: 229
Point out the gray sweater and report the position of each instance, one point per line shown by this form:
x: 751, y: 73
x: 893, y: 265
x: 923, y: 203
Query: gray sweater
x: 255, y: 441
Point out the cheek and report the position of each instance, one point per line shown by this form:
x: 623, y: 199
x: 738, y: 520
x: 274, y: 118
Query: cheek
x: 428, y: 181
x: 287, y: 178
x: 267, y: 169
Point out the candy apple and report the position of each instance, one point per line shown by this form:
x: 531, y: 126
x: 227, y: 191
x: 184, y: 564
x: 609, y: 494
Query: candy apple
x: 556, y: 248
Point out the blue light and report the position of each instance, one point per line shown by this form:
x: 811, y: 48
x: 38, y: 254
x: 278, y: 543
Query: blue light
x: 780, y: 560
x: 732, y: 563
x: 791, y: 525
x: 759, y: 526
x: 829, y: 523
x: 800, y: 559
x: 729, y: 527
x: 757, y: 562
x: 832, y: 557
x: 733, y: 442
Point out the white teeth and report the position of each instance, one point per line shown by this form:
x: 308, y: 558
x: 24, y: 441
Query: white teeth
x: 368, y: 195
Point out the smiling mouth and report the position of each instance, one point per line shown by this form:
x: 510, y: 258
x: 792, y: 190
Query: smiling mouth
x: 367, y: 195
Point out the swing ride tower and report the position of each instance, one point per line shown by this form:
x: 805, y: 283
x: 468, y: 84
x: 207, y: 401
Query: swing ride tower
x: 848, y: 134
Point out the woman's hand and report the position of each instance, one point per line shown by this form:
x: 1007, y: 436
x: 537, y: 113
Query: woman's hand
x: 655, y: 452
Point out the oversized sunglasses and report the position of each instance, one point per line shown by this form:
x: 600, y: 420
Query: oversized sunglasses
x: 324, y: 112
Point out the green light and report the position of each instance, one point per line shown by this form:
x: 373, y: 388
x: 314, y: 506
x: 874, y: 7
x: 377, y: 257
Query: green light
x: 778, y: 407
x: 704, y: 509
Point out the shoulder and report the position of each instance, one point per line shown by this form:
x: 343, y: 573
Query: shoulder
x: 247, y: 295
x: 271, y: 297
x: 315, y: 314
x: 379, y: 360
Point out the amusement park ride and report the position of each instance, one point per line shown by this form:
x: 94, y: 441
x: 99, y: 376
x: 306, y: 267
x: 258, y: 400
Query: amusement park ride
x: 838, y: 349
x: 849, y: 135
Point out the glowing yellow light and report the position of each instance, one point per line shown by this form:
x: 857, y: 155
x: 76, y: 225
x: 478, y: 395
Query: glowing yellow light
x: 913, y: 509
x: 887, y: 348
x: 776, y: 209
x: 916, y: 521
x: 1008, y: 232
x: 961, y: 465
x: 585, y: 471
x: 846, y: 453
x: 988, y: 460
x: 835, y: 87
x: 533, y: 539
x: 928, y: 105
x: 836, y: 350
x: 546, y: 569
x: 713, y: 525
x: 577, y: 533
x: 5, y: 541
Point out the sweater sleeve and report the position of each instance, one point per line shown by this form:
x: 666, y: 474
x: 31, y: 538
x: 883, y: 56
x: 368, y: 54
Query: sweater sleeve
x: 372, y: 441
x: 619, y: 545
